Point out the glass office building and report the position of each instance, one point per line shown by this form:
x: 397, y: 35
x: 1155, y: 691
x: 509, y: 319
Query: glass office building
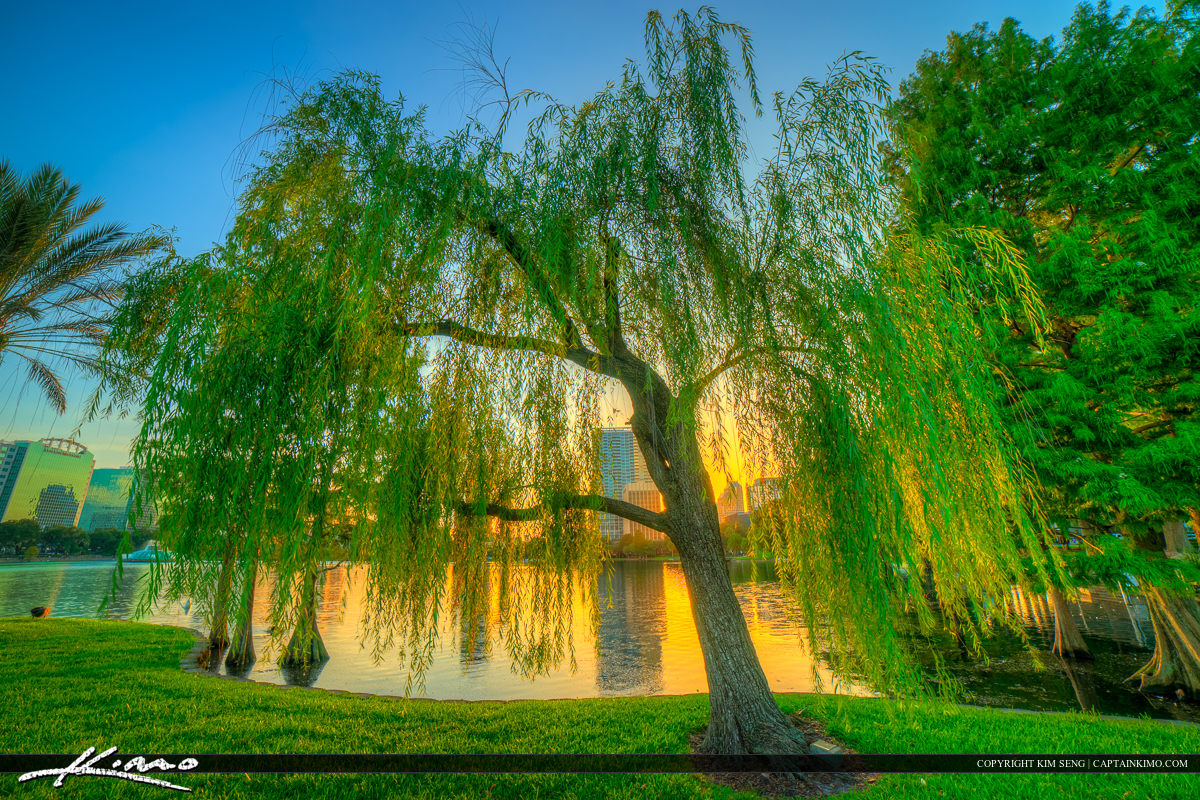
x: 621, y: 463
x: 46, y: 481
x: 12, y: 456
x: 108, y: 499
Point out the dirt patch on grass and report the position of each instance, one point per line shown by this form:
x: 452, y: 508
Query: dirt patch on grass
x: 792, y: 784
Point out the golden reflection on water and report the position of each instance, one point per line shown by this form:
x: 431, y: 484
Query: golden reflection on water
x: 644, y: 641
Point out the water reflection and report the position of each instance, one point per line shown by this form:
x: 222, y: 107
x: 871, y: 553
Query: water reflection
x: 1083, y: 681
x: 632, y: 629
x: 474, y: 644
x: 302, y: 674
x: 646, y: 640
x: 1118, y: 632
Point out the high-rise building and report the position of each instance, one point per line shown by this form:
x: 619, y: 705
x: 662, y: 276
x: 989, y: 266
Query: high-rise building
x: 732, y: 501
x: 108, y: 499
x: 12, y: 456
x: 621, y: 463
x: 146, y: 518
x: 763, y: 491
x: 646, y: 495
x: 56, y: 505
x: 46, y: 481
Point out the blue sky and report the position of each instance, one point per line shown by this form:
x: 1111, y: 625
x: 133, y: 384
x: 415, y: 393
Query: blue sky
x: 145, y: 104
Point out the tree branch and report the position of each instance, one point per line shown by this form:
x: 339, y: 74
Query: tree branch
x: 1152, y: 425
x: 588, y: 359
x: 595, y: 502
x: 1137, y: 151
x: 504, y: 236
x: 732, y: 361
x: 612, y: 302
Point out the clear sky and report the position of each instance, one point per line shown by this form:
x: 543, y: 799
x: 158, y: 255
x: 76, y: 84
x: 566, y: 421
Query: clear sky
x: 145, y: 104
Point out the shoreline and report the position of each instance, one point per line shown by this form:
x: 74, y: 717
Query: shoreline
x: 190, y: 664
x: 53, y: 559
x: 123, y: 680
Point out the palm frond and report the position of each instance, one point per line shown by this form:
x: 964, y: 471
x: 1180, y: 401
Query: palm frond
x: 40, y: 374
x: 59, y: 278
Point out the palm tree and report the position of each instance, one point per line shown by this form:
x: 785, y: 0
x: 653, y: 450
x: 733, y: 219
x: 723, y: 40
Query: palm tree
x: 59, y: 279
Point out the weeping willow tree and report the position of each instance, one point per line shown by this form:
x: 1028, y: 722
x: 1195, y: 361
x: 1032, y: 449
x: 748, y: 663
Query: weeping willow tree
x: 406, y: 338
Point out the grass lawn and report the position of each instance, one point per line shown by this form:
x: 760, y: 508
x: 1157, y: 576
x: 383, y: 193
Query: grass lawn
x: 66, y: 685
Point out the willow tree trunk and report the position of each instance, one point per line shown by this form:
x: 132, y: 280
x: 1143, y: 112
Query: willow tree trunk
x: 218, y: 636
x: 241, y: 651
x: 1068, y: 641
x: 1175, y: 665
x: 743, y: 714
x: 306, y: 646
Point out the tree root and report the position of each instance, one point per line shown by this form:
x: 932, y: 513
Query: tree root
x: 792, y: 784
x: 1175, y: 665
x: 1068, y: 640
x: 305, y: 648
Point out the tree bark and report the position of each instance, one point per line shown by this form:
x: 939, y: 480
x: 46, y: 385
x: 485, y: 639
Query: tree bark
x: 241, y: 652
x: 743, y: 714
x: 306, y: 646
x: 1068, y: 641
x: 218, y: 636
x: 1175, y: 665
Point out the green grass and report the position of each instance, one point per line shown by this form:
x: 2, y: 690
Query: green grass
x: 66, y: 685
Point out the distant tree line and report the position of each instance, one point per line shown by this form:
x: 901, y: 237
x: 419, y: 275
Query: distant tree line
x: 734, y: 539
x: 17, y: 536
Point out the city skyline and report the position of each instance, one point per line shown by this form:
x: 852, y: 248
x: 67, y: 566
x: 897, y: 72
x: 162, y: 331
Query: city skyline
x: 622, y: 465
x: 56, y: 482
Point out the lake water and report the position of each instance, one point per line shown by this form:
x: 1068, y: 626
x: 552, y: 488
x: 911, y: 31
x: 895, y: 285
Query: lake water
x: 646, y: 641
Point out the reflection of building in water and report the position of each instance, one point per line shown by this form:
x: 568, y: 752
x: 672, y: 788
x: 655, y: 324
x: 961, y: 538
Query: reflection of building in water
x: 1121, y: 617
x: 331, y: 590
x: 474, y: 646
x: 631, y: 632
x: 768, y: 610
x: 644, y: 494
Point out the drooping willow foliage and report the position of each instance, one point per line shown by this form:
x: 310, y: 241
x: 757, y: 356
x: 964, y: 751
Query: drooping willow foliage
x: 397, y: 357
